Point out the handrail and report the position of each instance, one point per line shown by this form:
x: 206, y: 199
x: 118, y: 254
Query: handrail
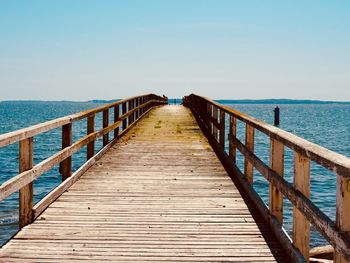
x: 133, y: 109
x: 21, y: 134
x: 331, y: 160
x: 211, y: 117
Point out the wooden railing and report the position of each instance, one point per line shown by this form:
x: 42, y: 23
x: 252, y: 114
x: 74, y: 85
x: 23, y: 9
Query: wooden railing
x: 132, y: 110
x: 211, y: 117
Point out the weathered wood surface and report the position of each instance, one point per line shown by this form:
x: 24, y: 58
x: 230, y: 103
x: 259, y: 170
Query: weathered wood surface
x: 159, y: 195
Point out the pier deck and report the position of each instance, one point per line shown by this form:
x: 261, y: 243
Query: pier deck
x: 159, y: 195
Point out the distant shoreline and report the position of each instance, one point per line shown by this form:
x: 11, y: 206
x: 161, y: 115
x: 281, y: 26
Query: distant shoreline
x: 179, y: 100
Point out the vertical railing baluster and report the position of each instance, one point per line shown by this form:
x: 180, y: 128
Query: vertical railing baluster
x: 116, y: 119
x: 301, y: 226
x: 143, y: 107
x: 137, y: 105
x: 208, y: 117
x: 123, y: 112
x: 249, y: 143
x: 66, y: 165
x: 342, y: 210
x: 105, y: 122
x: 130, y: 107
x: 277, y: 165
x: 222, y: 129
x: 26, y: 192
x: 90, y: 129
x: 215, y: 122
x: 233, y: 133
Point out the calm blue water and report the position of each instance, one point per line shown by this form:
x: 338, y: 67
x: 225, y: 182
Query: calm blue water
x: 327, y: 125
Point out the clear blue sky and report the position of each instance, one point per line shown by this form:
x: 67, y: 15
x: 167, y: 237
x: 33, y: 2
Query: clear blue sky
x: 83, y: 49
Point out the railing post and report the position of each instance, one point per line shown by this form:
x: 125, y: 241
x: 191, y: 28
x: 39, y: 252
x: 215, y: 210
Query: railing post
x: 138, y: 111
x: 26, y: 192
x: 277, y: 165
x: 123, y: 112
x: 222, y: 129
x: 146, y: 100
x: 210, y: 112
x: 116, y: 119
x: 233, y: 133
x: 135, y: 106
x: 66, y: 165
x: 105, y: 122
x: 342, y: 210
x: 142, y: 102
x: 130, y: 107
x: 215, y: 122
x: 90, y: 129
x: 301, y: 226
x: 249, y: 143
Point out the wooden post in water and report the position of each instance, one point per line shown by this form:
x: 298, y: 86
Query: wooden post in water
x: 277, y: 116
x: 249, y: 143
x: 276, y: 164
x: 90, y: 129
x: 66, y: 165
x: 301, y: 226
x: 26, y: 192
x: 105, y: 122
x: 233, y: 133
x: 342, y: 210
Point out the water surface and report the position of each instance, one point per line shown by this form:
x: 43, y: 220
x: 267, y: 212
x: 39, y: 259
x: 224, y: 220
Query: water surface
x: 327, y: 125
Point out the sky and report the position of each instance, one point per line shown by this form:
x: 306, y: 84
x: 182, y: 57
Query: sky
x: 223, y: 49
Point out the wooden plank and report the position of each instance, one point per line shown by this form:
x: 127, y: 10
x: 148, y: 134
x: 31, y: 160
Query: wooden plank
x: 58, y: 191
x: 249, y: 142
x: 66, y: 165
x: 122, y: 210
x: 26, y: 192
x: 16, y: 136
x: 315, y: 216
x: 301, y: 226
x: 277, y: 165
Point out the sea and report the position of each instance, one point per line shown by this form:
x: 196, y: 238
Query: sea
x: 325, y: 124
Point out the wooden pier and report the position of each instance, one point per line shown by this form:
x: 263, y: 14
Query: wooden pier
x: 162, y: 189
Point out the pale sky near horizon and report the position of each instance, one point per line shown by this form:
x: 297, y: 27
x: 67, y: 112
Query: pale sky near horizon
x: 223, y: 49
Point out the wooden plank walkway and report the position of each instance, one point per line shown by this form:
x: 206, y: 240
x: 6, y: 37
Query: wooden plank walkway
x: 160, y: 195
